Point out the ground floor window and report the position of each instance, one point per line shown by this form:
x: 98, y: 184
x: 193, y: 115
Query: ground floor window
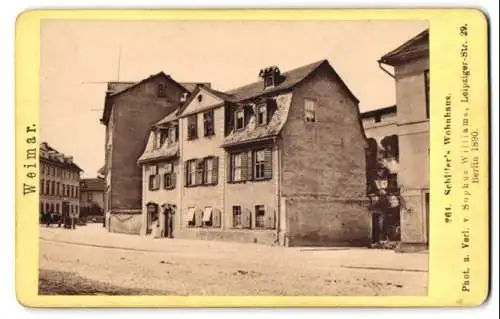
x: 237, y: 216
x: 260, y: 214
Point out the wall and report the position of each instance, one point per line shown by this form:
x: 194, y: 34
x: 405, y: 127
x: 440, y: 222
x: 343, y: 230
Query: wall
x: 205, y: 195
x: 160, y: 196
x: 413, y: 131
x: 68, y: 177
x: 248, y: 194
x: 135, y: 111
x: 325, y: 159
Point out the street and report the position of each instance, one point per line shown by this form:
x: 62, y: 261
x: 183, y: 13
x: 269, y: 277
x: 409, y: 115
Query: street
x: 100, y: 262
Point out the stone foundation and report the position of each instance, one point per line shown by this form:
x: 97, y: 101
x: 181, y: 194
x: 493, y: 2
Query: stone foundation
x: 266, y: 237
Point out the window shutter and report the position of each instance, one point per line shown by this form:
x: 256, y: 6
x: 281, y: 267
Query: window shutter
x: 215, y: 169
x: 251, y: 161
x: 216, y: 218
x: 172, y: 179
x: 186, y: 172
x: 270, y: 219
x: 268, y: 165
x: 229, y: 161
x: 246, y: 218
x: 244, y: 166
x: 198, y: 218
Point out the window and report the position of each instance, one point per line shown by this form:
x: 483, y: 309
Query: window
x: 262, y: 114
x: 208, y: 123
x: 172, y: 132
x: 53, y: 188
x: 161, y: 90
x: 209, y: 169
x: 200, y: 167
x: 310, y: 110
x: 169, y: 176
x: 207, y: 216
x: 158, y: 139
x: 89, y: 197
x: 58, y: 188
x: 237, y: 167
x: 200, y: 98
x: 47, y: 187
x: 259, y: 164
x: 190, y: 172
x: 427, y: 96
x: 42, y: 187
x: 192, y: 127
x: 154, y: 178
x: 191, y: 216
x: 77, y: 191
x: 260, y: 214
x: 239, y: 119
x: 269, y: 81
x: 237, y: 216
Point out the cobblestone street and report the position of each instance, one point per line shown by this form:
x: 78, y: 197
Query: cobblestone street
x: 196, y: 267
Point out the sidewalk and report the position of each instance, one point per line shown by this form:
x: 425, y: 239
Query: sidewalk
x: 354, y: 258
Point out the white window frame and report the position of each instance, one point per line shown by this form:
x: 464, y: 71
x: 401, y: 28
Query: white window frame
x: 236, y: 113
x: 310, y: 110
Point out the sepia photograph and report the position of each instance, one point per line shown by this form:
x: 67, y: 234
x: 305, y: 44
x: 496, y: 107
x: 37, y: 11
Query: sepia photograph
x: 234, y: 158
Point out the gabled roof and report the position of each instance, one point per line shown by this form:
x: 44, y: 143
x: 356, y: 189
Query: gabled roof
x: 117, y: 88
x: 415, y: 47
x: 223, y: 96
x: 289, y: 80
x: 92, y: 184
x: 381, y: 111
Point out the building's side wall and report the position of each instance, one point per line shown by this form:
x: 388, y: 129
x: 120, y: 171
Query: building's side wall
x: 324, y: 167
x: 247, y: 195
x: 413, y: 131
x: 135, y: 112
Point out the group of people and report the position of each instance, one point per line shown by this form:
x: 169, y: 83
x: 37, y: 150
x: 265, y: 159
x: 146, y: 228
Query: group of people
x: 50, y: 218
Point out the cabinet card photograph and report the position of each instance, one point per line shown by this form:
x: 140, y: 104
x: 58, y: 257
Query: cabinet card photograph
x: 250, y: 161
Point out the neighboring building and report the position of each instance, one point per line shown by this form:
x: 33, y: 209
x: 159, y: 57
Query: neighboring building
x: 130, y: 110
x: 382, y: 160
x: 276, y: 161
x: 160, y: 170
x: 92, y: 197
x: 59, y: 183
x: 411, y: 72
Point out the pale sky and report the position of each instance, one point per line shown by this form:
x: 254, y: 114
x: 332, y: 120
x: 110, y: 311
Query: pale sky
x: 76, y: 54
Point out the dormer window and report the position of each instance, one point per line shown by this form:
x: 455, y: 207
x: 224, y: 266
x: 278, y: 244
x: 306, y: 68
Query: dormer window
x: 262, y: 114
x: 161, y: 90
x: 239, y: 121
x: 269, y: 81
x: 158, y: 139
x: 270, y: 75
x: 172, y: 135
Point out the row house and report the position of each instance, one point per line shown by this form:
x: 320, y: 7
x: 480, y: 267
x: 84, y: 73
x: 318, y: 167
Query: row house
x: 59, y: 183
x: 279, y: 161
x: 92, y: 197
x: 130, y: 110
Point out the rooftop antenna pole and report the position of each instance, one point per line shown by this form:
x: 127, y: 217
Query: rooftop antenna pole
x: 119, y: 61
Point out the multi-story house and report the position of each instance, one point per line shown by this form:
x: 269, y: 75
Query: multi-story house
x: 92, y: 197
x: 130, y: 109
x: 160, y: 170
x: 59, y: 183
x: 410, y: 62
x: 276, y: 161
